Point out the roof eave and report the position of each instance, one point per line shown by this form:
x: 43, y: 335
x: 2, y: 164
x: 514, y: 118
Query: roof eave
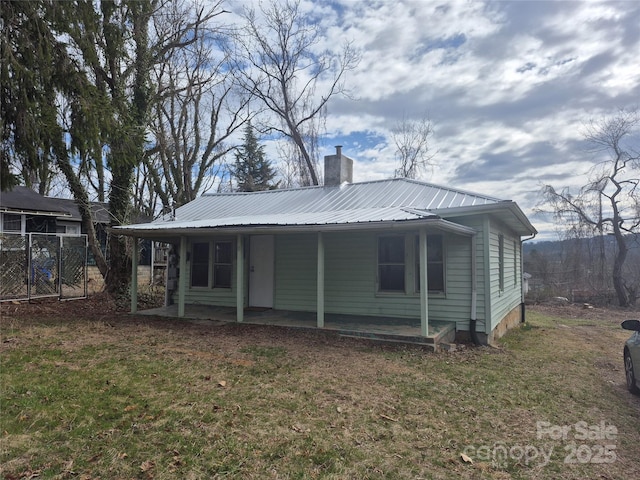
x: 495, y: 208
x: 40, y: 213
x: 157, y: 233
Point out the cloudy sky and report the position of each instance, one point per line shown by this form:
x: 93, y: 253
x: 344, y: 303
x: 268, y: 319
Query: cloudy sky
x: 508, y: 87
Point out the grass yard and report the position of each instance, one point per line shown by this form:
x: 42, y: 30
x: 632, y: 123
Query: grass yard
x: 87, y: 392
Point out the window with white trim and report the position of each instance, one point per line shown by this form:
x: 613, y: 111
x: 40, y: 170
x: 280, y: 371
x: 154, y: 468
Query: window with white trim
x: 515, y: 263
x: 223, y: 261
x: 435, y: 263
x: 200, y: 264
x: 395, y: 265
x: 391, y: 264
x: 12, y: 222
x: 501, y: 261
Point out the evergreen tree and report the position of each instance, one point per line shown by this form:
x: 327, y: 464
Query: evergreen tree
x: 252, y: 169
x: 76, y: 93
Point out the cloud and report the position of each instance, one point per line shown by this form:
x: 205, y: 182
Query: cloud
x: 508, y: 86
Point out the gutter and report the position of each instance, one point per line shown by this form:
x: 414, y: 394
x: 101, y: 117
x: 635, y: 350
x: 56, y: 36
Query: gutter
x: 61, y: 215
x: 523, y: 314
x: 474, y: 294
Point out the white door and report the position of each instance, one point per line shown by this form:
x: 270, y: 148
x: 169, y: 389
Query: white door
x: 261, y: 271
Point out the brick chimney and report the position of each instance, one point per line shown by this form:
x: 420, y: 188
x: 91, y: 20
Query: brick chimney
x: 338, y: 168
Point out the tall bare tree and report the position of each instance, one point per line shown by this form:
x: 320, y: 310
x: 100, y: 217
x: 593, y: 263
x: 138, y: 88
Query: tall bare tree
x: 280, y: 63
x: 610, y: 202
x: 198, y: 109
x: 411, y: 138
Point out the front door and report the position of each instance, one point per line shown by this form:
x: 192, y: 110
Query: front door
x: 261, y: 271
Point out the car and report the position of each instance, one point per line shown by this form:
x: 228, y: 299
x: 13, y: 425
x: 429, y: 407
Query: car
x: 632, y: 356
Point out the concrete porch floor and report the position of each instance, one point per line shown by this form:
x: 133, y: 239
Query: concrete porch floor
x: 389, y: 329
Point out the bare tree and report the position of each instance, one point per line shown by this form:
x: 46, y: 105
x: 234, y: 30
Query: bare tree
x: 199, y: 108
x: 289, y: 168
x: 411, y: 138
x: 608, y: 204
x: 279, y: 63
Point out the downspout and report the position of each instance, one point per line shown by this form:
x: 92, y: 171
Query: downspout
x: 523, y: 317
x: 474, y: 293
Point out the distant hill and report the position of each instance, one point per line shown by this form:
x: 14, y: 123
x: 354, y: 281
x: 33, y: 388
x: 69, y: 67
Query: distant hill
x: 549, y: 247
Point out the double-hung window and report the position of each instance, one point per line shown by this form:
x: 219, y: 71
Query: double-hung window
x: 200, y: 264
x: 202, y: 258
x: 12, y: 223
x: 395, y: 265
x: 222, y: 262
x: 515, y: 263
x: 501, y: 261
x: 391, y: 264
x: 435, y: 263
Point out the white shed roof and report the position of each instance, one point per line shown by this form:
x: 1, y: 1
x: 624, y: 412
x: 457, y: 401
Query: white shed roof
x: 381, y: 201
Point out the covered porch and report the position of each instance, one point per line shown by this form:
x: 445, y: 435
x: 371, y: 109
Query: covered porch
x: 409, y: 326
x: 386, y: 329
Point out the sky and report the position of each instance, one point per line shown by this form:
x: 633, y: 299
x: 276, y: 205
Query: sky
x: 508, y: 87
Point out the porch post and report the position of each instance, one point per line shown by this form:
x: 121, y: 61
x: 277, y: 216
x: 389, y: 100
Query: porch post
x: 239, y: 279
x: 320, y: 282
x: 134, y: 275
x: 182, y: 279
x: 424, y: 289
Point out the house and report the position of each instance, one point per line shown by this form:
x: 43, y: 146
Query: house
x: 363, y: 250
x: 36, y: 224
x: 23, y: 210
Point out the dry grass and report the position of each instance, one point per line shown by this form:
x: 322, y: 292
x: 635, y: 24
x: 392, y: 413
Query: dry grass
x: 92, y: 393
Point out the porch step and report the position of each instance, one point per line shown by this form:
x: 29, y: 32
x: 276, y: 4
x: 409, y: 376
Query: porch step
x: 432, y: 347
x: 442, y: 332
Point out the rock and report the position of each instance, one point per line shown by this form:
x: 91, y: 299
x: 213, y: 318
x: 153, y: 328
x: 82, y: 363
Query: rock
x: 559, y: 301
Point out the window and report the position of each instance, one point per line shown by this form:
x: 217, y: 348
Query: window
x: 501, y: 261
x: 200, y: 264
x: 391, y: 264
x: 435, y: 263
x: 392, y: 269
x: 515, y: 263
x: 11, y: 222
x: 223, y: 260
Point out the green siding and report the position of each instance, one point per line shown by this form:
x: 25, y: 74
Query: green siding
x: 351, y: 271
x: 350, y: 278
x: 296, y: 259
x: 506, y: 299
x: 477, y: 223
x: 224, y: 297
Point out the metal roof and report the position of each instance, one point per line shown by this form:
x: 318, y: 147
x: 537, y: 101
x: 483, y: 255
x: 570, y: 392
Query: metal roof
x: 364, y: 215
x: 392, y: 200
x: 355, y: 197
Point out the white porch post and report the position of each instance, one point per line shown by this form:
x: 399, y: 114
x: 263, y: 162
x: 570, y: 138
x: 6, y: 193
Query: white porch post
x: 424, y: 289
x: 240, y: 279
x: 134, y: 276
x: 182, y: 279
x: 320, y: 282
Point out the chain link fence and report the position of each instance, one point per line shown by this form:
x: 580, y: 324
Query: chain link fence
x: 42, y: 265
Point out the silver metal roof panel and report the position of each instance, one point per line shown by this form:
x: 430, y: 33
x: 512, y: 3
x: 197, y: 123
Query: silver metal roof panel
x: 376, y: 201
x: 368, y: 195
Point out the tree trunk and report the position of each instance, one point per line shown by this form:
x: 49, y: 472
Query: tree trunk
x: 82, y: 201
x: 119, y: 272
x: 618, y: 281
